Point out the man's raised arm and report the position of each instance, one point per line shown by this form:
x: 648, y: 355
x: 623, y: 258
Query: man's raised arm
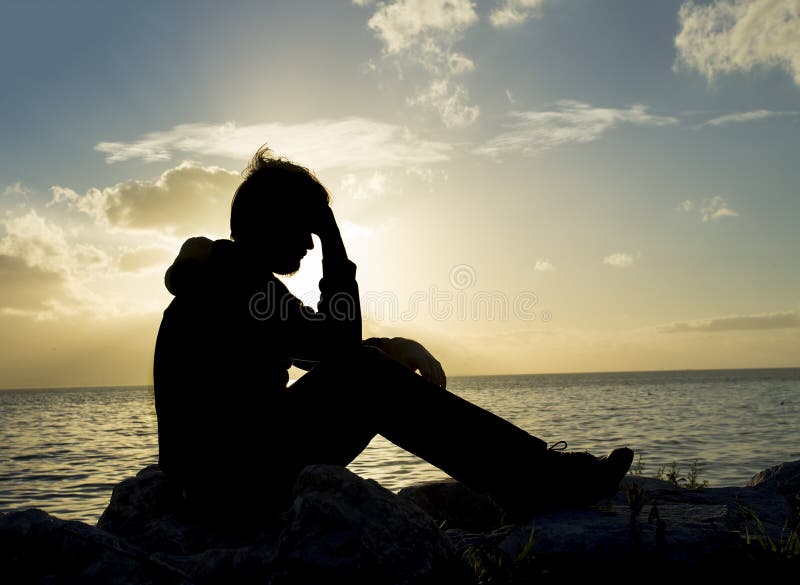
x: 339, y: 307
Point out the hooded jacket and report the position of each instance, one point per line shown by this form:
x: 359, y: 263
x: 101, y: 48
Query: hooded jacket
x: 224, y: 347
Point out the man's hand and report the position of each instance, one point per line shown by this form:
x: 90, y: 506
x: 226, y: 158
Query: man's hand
x: 323, y: 223
x: 415, y: 357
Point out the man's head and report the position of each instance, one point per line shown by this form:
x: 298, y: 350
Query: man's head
x: 273, y: 210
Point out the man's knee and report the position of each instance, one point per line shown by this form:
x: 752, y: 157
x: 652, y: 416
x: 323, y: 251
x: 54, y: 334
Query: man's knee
x: 373, y: 358
x: 368, y: 360
x: 370, y: 353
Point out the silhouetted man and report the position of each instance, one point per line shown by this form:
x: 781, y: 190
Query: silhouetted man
x: 230, y: 429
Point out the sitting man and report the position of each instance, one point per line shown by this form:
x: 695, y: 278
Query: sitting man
x: 229, y: 428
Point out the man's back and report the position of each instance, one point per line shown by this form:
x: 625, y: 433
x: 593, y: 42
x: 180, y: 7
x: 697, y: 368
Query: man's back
x: 217, y: 369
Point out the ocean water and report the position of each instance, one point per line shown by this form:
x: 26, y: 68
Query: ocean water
x: 63, y: 450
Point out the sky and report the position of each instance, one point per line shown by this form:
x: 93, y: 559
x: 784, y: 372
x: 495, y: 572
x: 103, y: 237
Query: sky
x: 526, y: 186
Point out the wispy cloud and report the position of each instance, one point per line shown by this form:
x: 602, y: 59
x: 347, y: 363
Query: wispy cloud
x: 422, y: 34
x: 15, y: 189
x: 709, y: 209
x: 450, y: 100
x: 514, y: 12
x: 353, y: 231
x: 567, y: 122
x: 321, y: 144
x: 785, y: 320
x: 741, y: 117
x: 716, y: 207
x: 145, y: 258
x: 360, y: 187
x: 620, y: 259
x: 737, y: 35
x: 544, y: 265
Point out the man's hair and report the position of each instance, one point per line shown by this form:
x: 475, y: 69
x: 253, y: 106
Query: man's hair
x: 272, y: 188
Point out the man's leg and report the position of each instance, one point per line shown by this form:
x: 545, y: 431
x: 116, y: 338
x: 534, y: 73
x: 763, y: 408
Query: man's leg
x: 335, y: 410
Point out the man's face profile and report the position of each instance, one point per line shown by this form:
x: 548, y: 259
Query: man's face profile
x: 284, y: 244
x: 287, y: 259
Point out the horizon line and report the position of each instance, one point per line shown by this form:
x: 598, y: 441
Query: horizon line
x: 587, y: 372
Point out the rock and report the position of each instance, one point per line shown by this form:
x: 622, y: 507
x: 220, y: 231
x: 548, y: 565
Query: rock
x: 453, y: 505
x: 344, y: 529
x: 37, y: 547
x: 677, y: 528
x: 149, y: 512
x: 146, y: 511
x: 784, y: 479
x: 231, y: 545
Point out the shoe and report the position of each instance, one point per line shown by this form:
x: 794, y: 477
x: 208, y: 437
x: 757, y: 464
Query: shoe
x: 566, y: 479
x: 581, y: 479
x: 614, y: 467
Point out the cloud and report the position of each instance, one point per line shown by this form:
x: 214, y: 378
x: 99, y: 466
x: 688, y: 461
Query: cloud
x: 620, y: 259
x: 25, y: 288
x: 320, y: 144
x: 785, y: 320
x: 741, y: 117
x: 716, y: 207
x: 15, y: 189
x: 368, y: 187
x: 544, y: 265
x: 43, y: 244
x: 427, y: 175
x: 182, y: 201
x: 515, y: 12
x: 450, y: 100
x: 422, y: 34
x: 38, y: 258
x: 738, y: 35
x: 145, y: 258
x: 711, y: 208
x: 568, y: 122
x: 403, y: 23
x: 34, y: 239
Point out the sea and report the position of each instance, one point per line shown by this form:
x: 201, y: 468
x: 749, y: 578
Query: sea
x: 64, y: 449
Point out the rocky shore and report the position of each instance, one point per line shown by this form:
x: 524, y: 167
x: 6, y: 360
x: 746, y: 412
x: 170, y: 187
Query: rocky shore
x: 342, y: 528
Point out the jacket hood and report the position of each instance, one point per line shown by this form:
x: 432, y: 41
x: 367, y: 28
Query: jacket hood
x: 190, y: 268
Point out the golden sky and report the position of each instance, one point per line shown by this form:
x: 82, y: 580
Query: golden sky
x: 522, y: 191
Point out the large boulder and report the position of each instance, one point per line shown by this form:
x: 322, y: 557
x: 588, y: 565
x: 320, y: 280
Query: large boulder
x: 38, y: 547
x: 344, y: 529
x: 230, y: 545
x: 151, y: 513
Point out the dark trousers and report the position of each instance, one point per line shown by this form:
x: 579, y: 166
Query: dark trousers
x: 332, y: 413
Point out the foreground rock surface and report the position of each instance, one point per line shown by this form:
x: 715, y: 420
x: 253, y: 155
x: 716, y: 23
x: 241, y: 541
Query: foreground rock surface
x: 342, y: 528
